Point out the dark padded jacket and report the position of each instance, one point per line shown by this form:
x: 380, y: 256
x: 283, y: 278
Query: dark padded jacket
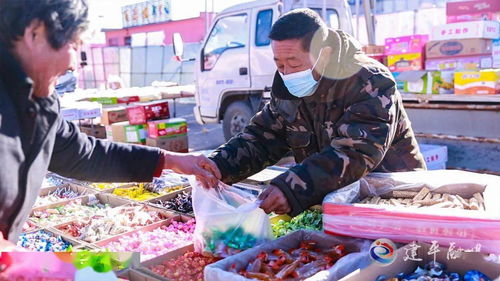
x: 353, y: 124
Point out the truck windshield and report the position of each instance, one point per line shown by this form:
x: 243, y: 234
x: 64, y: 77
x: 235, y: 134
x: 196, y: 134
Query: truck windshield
x: 228, y: 33
x: 332, y: 17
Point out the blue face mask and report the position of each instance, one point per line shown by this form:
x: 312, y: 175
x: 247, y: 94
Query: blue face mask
x: 300, y: 84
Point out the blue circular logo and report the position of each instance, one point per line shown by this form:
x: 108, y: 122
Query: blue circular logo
x: 383, y: 251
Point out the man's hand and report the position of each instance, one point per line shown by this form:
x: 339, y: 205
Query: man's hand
x: 273, y: 200
x: 205, y: 170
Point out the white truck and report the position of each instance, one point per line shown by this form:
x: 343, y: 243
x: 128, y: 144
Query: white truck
x: 235, y: 68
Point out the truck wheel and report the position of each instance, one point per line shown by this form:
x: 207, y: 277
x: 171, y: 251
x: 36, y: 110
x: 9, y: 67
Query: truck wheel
x: 236, y: 118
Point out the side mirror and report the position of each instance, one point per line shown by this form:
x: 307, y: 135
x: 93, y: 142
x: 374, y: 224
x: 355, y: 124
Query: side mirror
x: 83, y: 59
x: 178, y: 44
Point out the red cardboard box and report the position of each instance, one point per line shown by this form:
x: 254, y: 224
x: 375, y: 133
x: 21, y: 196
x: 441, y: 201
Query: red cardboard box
x: 141, y: 113
x: 405, y: 44
x: 167, y: 128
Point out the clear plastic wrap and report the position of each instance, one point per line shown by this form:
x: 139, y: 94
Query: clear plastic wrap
x: 358, y: 257
x: 465, y: 228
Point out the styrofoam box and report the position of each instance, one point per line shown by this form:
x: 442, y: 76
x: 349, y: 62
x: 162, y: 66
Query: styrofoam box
x: 435, y: 156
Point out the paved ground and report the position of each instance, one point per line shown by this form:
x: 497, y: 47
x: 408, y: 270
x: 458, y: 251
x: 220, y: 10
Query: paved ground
x: 201, y: 137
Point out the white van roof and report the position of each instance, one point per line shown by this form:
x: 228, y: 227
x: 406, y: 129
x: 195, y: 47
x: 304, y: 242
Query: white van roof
x: 250, y: 5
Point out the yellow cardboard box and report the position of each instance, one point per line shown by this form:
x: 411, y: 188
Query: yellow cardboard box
x: 484, y: 82
x: 405, y: 62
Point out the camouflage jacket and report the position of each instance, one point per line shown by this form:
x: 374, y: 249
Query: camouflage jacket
x: 353, y: 124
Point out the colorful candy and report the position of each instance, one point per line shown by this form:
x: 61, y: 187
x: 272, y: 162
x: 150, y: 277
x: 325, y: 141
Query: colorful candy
x: 436, y: 271
x: 111, y: 222
x: 168, y: 182
x: 156, y: 242
x: 297, y: 263
x: 67, y: 212
x: 43, y: 241
x: 229, y: 242
x: 137, y: 193
x: 311, y: 220
x: 188, y: 267
x: 58, y: 195
x: 181, y: 203
x: 50, y: 181
x: 104, y: 185
x: 29, y: 226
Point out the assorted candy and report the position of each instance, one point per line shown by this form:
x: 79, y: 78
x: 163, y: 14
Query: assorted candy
x: 188, y: 267
x: 426, y: 198
x: 168, y: 182
x: 43, y: 241
x: 58, y: 195
x: 435, y: 271
x: 50, y: 181
x: 111, y: 222
x: 67, y: 212
x: 29, y: 226
x: 104, y: 185
x: 137, y: 193
x: 297, y: 263
x: 181, y: 203
x: 229, y: 242
x: 156, y: 242
x: 310, y: 220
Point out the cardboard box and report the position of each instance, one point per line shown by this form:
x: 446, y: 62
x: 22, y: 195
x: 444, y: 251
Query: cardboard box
x: 462, y: 264
x: 474, y: 17
x: 112, y: 115
x: 141, y: 113
x: 374, y: 50
x: 496, y: 53
x: 405, y: 62
x: 69, y: 114
x: 135, y: 275
x: 97, y: 131
x: 465, y: 30
x: 167, y: 128
x: 178, y: 143
x: 472, y: 10
x: 400, y: 84
x: 427, y: 82
x: 458, y: 47
x: 89, y: 110
x: 124, y: 132
x: 459, y: 63
x: 405, y: 44
x: 485, y: 82
x: 111, y: 100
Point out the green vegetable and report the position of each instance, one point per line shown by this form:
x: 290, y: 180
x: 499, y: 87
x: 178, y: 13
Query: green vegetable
x: 309, y: 220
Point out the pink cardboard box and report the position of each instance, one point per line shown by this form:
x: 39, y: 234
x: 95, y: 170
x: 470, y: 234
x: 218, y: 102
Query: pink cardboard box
x: 476, y: 7
x: 405, y: 44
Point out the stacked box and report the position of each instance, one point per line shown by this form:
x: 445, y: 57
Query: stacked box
x: 112, y: 115
x: 142, y: 113
x: 496, y: 53
x: 465, y: 11
x: 125, y: 132
x: 168, y: 134
x: 405, y: 53
x: 466, y: 30
x: 484, y: 82
x: 427, y: 82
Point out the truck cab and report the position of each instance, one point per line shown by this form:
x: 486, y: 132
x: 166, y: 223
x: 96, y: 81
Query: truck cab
x: 235, y: 67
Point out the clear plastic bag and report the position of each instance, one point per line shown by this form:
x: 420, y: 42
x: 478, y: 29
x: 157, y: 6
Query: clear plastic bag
x: 228, y: 220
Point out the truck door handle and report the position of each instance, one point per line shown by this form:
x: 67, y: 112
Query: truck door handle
x: 243, y: 71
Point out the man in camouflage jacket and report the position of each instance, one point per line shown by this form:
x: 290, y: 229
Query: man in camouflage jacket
x: 352, y: 124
